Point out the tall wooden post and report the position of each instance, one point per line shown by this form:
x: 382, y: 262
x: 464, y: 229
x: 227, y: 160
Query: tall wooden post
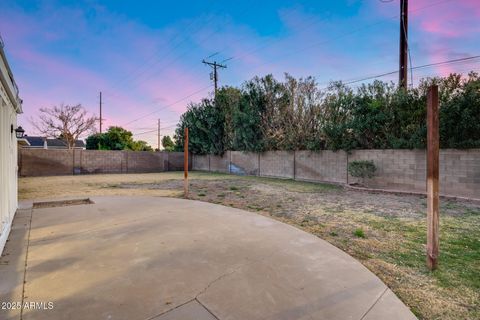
x: 432, y: 177
x: 185, y: 163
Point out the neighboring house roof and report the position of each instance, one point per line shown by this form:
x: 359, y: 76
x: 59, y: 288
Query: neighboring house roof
x: 35, y: 141
x: 39, y: 142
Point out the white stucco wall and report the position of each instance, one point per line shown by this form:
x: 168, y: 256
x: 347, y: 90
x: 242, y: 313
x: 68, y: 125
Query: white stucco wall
x: 8, y: 149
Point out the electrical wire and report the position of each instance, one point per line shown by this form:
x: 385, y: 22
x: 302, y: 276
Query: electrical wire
x: 343, y: 35
x: 147, y: 64
x: 416, y: 68
x: 168, y: 105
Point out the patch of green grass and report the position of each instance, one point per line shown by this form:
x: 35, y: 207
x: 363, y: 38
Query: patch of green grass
x: 333, y: 234
x: 254, y: 207
x: 234, y: 188
x: 301, y: 186
x: 201, y: 194
x: 221, y: 195
x: 459, y: 258
x: 359, y: 233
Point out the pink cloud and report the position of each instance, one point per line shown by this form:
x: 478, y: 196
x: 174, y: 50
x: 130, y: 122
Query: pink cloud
x: 449, y: 19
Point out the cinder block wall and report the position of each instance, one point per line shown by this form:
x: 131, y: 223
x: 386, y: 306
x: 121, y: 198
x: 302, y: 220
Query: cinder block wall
x: 220, y: 163
x: 245, y: 163
x: 201, y: 162
x: 277, y: 164
x: 396, y: 169
x: 145, y: 161
x: 460, y: 172
x: 327, y: 166
x: 42, y: 162
x: 174, y: 161
x: 101, y: 161
x: 403, y: 170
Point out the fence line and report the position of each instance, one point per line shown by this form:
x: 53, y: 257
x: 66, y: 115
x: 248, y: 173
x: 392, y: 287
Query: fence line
x: 397, y: 169
x: 48, y: 162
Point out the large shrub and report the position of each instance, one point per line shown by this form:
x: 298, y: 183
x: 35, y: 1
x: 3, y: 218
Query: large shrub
x: 266, y: 114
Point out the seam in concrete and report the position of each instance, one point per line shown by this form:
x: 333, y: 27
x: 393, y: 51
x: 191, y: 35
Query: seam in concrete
x: 213, y: 315
x: 165, y: 312
x: 373, y: 305
x: 26, y: 262
x: 226, y: 274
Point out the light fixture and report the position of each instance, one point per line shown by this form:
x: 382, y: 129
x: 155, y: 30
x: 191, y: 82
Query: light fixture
x: 18, y: 132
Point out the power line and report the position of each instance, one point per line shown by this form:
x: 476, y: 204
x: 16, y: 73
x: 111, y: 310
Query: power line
x: 346, y: 34
x: 154, y: 130
x: 238, y: 57
x: 416, y: 67
x: 168, y: 64
x: 459, y: 60
x: 147, y: 66
x: 168, y: 105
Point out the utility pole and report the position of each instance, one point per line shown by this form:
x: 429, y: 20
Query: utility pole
x: 158, y: 138
x: 214, y: 65
x: 402, y: 77
x: 101, y: 112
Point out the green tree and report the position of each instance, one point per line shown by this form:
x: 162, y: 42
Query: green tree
x: 140, y: 145
x: 206, y: 130
x: 116, y: 138
x: 168, y: 144
x: 266, y: 114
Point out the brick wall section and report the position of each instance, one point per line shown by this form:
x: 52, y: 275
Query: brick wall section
x: 102, y: 161
x: 277, y: 164
x: 41, y: 162
x: 406, y: 170
x: 220, y: 163
x: 396, y: 169
x: 145, y: 161
x: 245, y: 163
x: 326, y: 166
x: 460, y: 172
x: 201, y: 162
x: 174, y: 161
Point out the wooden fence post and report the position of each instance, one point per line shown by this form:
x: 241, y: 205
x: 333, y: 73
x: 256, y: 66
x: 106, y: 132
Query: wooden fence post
x: 185, y: 163
x: 432, y: 177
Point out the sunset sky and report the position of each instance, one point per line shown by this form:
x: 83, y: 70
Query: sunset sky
x: 145, y: 56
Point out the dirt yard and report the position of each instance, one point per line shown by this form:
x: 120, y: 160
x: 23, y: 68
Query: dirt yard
x: 386, y: 232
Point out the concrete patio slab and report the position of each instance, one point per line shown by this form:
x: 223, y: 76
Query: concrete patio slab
x: 192, y: 310
x: 161, y: 258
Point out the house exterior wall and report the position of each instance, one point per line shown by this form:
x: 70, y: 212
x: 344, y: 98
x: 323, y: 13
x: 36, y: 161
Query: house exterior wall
x: 10, y: 105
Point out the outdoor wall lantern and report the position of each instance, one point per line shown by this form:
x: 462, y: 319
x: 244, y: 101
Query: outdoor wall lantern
x: 18, y: 132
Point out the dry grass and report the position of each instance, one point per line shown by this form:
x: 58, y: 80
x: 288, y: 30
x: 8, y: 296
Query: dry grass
x: 385, y: 232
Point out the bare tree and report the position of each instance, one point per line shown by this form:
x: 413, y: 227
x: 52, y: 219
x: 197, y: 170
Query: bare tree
x: 65, y: 122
